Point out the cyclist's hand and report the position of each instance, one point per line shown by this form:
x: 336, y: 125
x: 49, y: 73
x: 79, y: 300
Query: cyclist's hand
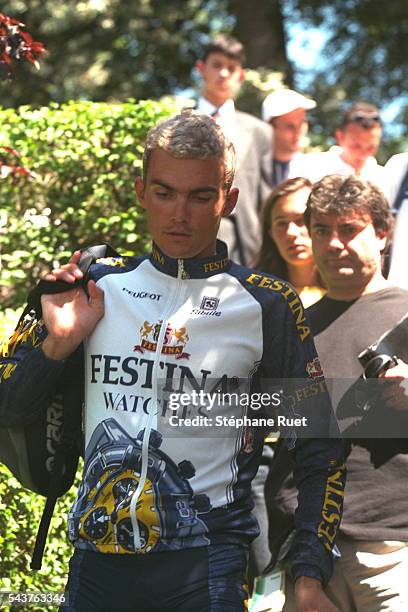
x: 310, y: 597
x: 69, y: 272
x: 69, y: 317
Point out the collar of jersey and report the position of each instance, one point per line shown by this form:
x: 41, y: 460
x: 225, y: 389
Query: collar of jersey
x: 194, y: 267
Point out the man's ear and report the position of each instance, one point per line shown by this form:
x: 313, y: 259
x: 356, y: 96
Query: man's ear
x: 338, y: 134
x: 230, y: 201
x: 200, y: 66
x: 139, y: 188
x: 242, y: 75
x: 382, y: 236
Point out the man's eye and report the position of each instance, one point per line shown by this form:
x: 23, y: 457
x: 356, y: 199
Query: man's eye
x: 320, y: 231
x: 202, y: 199
x: 350, y: 231
x: 162, y: 194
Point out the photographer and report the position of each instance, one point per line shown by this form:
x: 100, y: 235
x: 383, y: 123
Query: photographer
x: 349, y: 222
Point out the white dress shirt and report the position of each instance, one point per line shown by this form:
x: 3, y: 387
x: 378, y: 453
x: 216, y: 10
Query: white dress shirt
x: 315, y: 166
x: 226, y: 117
x: 395, y: 170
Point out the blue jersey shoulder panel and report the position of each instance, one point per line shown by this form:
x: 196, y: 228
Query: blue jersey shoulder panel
x: 114, y: 265
x: 284, y: 323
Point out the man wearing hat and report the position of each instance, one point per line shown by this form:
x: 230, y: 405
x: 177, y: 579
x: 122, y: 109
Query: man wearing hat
x: 285, y: 110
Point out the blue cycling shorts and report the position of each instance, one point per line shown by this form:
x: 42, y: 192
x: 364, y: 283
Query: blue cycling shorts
x: 205, y: 579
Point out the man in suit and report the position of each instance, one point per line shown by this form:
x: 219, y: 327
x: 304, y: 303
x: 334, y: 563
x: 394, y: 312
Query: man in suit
x: 222, y: 72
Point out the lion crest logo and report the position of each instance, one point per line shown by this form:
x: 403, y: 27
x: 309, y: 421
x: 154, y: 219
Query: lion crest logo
x: 173, y: 343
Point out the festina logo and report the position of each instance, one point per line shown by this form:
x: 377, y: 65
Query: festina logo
x: 130, y: 371
x: 137, y: 373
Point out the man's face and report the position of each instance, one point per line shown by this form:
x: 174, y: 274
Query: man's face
x: 222, y: 76
x: 185, y: 201
x: 289, y: 130
x: 346, y: 248
x: 358, y: 143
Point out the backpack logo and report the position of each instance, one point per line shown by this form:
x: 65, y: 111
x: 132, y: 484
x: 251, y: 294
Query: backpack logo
x: 54, y: 427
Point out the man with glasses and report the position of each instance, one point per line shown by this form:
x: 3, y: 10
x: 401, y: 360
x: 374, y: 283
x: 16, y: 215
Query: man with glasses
x: 358, y: 137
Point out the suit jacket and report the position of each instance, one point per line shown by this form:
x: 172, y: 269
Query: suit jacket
x: 242, y: 230
x: 252, y: 139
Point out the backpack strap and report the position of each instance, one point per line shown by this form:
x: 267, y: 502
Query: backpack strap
x: 70, y: 447
x: 68, y: 451
x: 88, y: 256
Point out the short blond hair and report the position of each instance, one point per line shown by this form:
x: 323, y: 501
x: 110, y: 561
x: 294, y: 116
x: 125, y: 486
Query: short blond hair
x: 191, y: 135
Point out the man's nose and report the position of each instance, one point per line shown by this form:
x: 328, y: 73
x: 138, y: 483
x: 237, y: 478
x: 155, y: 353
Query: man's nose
x: 180, y: 209
x: 224, y: 73
x: 335, y: 242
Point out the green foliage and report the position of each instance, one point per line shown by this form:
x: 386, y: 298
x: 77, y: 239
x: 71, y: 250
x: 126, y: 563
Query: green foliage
x: 257, y: 85
x: 85, y: 156
x: 8, y: 320
x: 20, y: 514
x: 110, y: 49
x: 366, y: 48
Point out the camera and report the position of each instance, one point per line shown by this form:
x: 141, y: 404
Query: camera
x: 376, y: 362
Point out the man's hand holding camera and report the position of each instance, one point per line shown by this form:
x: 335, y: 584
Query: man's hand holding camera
x: 394, y: 389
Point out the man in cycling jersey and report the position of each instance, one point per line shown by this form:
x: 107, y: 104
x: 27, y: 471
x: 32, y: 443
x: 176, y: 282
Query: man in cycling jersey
x: 162, y: 520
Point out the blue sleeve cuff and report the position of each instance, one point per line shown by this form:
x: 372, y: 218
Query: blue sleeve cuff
x: 308, y: 557
x: 311, y: 571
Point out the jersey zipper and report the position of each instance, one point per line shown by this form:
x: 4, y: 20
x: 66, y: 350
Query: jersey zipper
x: 172, y: 301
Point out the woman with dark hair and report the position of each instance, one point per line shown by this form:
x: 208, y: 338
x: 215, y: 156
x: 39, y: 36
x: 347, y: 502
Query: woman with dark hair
x: 286, y: 252
x: 286, y: 249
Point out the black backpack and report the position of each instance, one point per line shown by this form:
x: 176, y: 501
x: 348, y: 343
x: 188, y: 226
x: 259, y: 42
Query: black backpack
x: 43, y: 450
